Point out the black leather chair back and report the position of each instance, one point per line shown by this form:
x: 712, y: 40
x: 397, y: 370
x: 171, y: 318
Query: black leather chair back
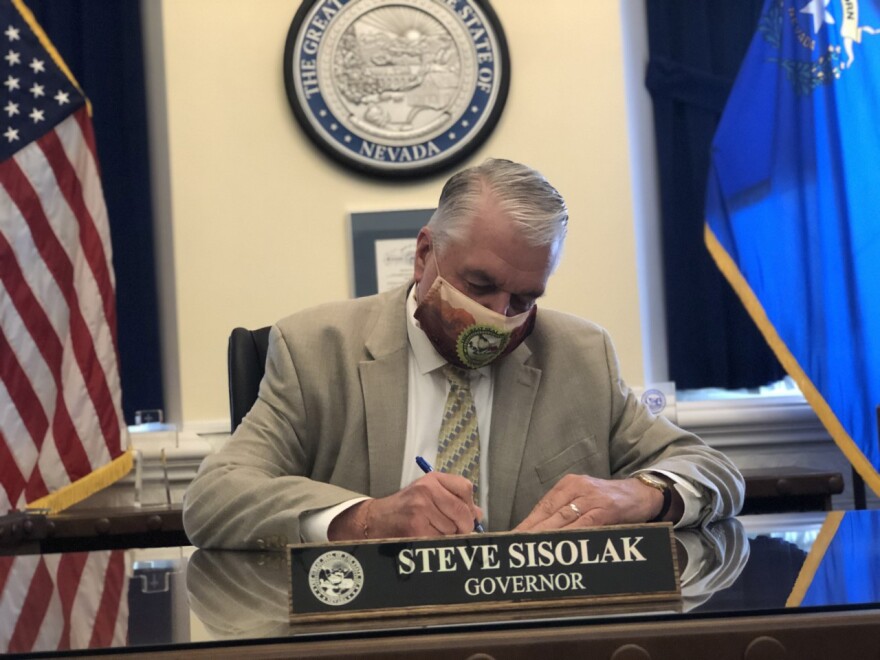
x: 246, y: 361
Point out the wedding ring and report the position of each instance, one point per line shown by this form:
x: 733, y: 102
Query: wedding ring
x: 573, y: 507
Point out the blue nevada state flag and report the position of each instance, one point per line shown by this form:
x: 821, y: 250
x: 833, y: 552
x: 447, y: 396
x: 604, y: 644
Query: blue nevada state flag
x: 843, y: 567
x: 793, y: 206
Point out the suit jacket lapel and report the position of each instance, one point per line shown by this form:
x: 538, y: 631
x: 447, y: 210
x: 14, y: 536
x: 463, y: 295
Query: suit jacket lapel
x: 384, y: 385
x: 516, y: 386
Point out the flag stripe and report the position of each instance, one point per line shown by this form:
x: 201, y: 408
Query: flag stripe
x: 5, y: 568
x: 70, y: 570
x: 11, y: 475
x: 22, y: 392
x: 52, y: 310
x: 33, y: 611
x: 49, y: 311
x: 36, y: 486
x: 50, y: 632
x: 102, y: 309
x: 88, y: 133
x: 90, y: 240
x: 69, y: 444
x: 58, y: 602
x: 26, y: 198
x: 14, y: 594
x: 111, y: 595
x: 79, y: 144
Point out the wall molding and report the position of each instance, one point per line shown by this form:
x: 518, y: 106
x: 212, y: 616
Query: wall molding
x: 779, y: 420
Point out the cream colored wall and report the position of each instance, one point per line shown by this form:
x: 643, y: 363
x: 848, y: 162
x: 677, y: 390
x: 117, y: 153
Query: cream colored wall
x: 258, y: 217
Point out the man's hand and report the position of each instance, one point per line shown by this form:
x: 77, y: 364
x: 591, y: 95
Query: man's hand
x: 438, y: 504
x: 582, y: 501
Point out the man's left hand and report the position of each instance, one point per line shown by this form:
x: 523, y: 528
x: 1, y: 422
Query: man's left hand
x: 582, y: 501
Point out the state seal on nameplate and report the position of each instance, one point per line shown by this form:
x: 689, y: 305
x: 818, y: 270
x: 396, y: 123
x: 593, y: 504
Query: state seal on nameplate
x: 397, y: 88
x: 336, y: 578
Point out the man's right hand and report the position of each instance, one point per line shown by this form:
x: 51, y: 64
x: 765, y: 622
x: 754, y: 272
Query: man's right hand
x: 437, y: 504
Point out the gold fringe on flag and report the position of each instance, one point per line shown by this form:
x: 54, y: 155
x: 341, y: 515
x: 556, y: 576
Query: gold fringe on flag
x: 90, y: 484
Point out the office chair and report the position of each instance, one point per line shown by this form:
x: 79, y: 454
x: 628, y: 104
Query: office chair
x: 246, y: 362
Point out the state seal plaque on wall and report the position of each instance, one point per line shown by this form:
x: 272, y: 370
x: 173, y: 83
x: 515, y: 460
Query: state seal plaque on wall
x: 397, y: 88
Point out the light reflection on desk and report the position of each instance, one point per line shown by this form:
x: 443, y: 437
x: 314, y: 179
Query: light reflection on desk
x: 64, y: 601
x: 843, y: 567
x: 181, y: 595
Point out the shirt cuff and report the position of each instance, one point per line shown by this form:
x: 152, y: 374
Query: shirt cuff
x: 690, y: 495
x: 313, y: 525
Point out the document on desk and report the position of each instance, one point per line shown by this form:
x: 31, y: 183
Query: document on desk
x: 502, y: 571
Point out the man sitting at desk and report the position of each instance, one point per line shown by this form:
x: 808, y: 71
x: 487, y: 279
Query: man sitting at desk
x: 522, y: 412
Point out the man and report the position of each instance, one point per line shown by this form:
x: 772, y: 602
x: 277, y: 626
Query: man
x: 533, y: 421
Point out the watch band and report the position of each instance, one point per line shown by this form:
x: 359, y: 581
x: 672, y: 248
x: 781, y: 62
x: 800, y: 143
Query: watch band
x: 655, y: 482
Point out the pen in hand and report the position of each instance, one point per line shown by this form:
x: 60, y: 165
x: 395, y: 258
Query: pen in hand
x: 426, y: 467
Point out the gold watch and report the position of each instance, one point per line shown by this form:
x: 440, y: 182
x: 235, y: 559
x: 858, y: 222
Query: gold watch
x: 656, y: 482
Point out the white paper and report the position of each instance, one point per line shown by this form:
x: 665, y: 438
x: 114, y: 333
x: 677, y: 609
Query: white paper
x: 394, y: 262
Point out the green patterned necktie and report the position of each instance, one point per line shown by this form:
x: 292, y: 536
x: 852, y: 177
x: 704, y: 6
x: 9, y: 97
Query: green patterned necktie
x: 458, y: 450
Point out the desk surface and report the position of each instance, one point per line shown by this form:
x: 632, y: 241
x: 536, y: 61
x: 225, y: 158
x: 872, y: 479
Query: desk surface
x: 758, y: 586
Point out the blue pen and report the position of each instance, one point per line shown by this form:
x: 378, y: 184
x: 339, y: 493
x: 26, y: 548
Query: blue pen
x: 426, y: 467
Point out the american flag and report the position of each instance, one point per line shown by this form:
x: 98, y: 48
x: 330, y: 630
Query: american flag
x: 66, y: 601
x: 62, y: 433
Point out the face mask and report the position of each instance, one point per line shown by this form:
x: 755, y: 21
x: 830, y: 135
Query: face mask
x: 466, y: 333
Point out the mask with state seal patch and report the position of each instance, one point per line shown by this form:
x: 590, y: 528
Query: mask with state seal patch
x: 464, y: 332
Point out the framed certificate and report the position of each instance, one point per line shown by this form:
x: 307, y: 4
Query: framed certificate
x: 383, y: 248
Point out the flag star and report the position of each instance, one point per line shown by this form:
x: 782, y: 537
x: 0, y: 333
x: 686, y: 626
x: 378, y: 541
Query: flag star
x: 13, y: 58
x: 37, y: 115
x: 11, y: 134
x: 37, y: 90
x: 12, y: 33
x: 11, y: 109
x: 11, y: 83
x: 62, y: 98
x: 37, y: 65
x: 819, y: 11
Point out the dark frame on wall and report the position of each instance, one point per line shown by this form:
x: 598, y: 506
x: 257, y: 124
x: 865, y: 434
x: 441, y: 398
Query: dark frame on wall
x: 368, y: 230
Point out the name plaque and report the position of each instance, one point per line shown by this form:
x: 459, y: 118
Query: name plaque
x: 481, y: 572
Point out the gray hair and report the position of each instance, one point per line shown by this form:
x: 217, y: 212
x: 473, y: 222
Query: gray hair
x: 534, y: 205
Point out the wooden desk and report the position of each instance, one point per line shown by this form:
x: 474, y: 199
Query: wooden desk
x: 240, y: 601
x: 787, y: 489
x: 801, y: 636
x: 768, y: 490
x: 92, y: 529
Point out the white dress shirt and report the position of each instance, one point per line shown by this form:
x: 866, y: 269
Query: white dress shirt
x: 426, y: 401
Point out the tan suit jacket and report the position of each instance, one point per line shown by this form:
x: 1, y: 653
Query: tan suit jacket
x: 330, y: 425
